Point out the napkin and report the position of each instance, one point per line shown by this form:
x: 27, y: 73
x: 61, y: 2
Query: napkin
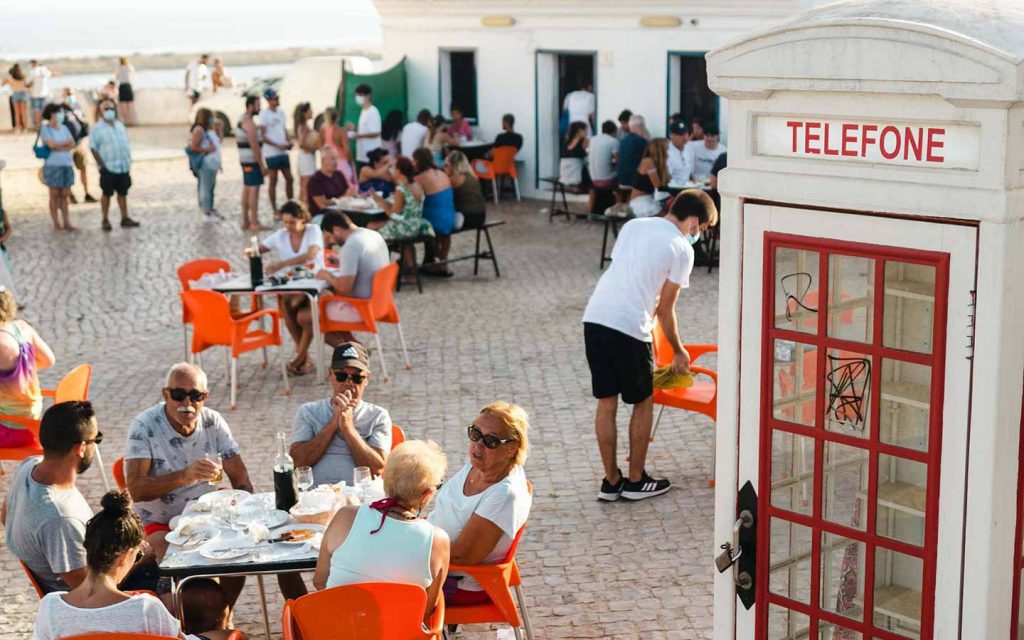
x: 665, y: 378
x: 258, y: 532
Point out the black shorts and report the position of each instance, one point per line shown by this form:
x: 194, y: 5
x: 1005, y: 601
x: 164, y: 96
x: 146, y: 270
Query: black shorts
x: 125, y: 93
x: 111, y: 183
x: 619, y: 364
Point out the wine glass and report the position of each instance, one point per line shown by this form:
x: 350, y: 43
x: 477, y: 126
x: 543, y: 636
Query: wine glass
x: 304, y: 478
x: 361, y: 479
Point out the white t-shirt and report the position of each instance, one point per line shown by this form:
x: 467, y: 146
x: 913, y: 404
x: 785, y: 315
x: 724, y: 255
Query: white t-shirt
x: 413, y: 135
x: 580, y: 105
x: 274, y: 125
x: 40, y: 81
x: 369, y: 122
x: 506, y: 504
x: 648, y: 252
x: 679, y: 164
x: 280, y: 243
x: 603, y: 148
x: 196, y: 74
x: 701, y: 158
x: 141, y: 614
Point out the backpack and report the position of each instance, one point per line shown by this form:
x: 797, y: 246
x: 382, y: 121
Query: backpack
x: 78, y: 128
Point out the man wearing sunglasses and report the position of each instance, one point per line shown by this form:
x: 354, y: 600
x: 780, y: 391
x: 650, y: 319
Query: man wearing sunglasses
x: 340, y: 433
x: 651, y: 263
x: 171, y: 453
x: 44, y: 514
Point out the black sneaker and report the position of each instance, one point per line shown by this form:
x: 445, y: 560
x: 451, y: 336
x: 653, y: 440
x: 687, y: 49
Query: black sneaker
x: 609, y: 491
x: 646, y: 487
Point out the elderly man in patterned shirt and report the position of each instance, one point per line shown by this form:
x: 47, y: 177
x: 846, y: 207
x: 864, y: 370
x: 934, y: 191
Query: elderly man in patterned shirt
x: 109, y: 145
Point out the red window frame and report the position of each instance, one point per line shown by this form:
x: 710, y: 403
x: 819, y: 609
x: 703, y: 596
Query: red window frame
x: 876, y: 351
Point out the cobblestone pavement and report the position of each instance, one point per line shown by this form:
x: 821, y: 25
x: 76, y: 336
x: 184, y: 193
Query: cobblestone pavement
x: 591, y: 570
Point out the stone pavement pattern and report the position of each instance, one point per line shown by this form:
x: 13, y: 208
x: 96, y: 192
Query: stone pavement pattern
x: 591, y: 570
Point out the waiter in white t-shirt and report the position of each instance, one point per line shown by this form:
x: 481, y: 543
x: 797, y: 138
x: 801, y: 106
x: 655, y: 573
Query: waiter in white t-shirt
x: 367, y: 134
x: 581, y: 105
x: 274, y: 133
x: 651, y: 262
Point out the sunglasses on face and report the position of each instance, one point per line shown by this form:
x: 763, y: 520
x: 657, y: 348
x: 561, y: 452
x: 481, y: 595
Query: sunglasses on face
x: 356, y: 378
x: 97, y: 440
x: 178, y: 394
x: 491, y: 442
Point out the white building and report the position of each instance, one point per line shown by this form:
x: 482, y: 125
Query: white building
x: 493, y: 57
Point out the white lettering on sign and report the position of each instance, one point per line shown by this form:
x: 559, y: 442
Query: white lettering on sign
x: 919, y: 144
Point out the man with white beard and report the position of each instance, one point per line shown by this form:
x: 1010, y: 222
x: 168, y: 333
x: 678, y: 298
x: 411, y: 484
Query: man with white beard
x: 177, y: 451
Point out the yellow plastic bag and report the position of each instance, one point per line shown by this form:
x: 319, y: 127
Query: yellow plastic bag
x: 665, y: 378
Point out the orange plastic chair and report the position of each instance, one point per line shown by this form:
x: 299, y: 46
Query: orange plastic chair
x: 121, y: 635
x: 498, y: 580
x: 503, y: 160
x: 32, y: 578
x: 702, y: 397
x: 73, y: 386
x: 484, y: 170
x: 397, y: 436
x: 191, y: 271
x: 368, y: 611
x: 213, y: 326
x: 118, y: 472
x: 379, y: 307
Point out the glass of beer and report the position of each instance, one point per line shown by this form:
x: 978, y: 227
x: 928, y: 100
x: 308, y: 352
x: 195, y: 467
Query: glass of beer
x: 215, y: 459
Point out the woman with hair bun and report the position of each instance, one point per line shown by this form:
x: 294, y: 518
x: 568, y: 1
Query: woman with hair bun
x: 113, y: 545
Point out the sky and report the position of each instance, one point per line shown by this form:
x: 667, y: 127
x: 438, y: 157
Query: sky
x: 81, y: 28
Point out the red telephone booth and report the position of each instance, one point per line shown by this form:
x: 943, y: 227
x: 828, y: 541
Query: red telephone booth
x: 872, y: 324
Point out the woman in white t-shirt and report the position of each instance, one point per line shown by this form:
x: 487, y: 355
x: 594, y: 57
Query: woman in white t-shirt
x: 484, y: 505
x: 298, y: 245
x: 113, y: 544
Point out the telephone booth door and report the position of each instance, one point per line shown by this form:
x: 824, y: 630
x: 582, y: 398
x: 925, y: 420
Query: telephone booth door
x: 855, y: 364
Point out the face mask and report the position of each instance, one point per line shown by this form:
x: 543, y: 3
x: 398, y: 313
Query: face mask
x: 60, y: 118
x: 360, y: 100
x: 693, y: 239
x: 109, y: 115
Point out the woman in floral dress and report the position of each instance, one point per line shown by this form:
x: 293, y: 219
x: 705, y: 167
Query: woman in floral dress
x: 405, y: 214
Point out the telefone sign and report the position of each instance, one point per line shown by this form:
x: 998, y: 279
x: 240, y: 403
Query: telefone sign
x: 915, y: 144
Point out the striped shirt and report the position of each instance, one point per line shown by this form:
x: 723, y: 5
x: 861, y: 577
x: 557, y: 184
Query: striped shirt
x: 110, y: 140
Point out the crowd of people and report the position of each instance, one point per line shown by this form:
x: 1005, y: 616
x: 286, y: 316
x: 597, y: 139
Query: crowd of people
x: 174, y: 451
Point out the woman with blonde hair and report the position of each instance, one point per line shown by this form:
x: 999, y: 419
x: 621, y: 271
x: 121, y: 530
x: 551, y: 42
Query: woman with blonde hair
x: 308, y: 141
x: 470, y: 204
x: 388, y: 541
x: 483, y: 506
x: 22, y: 354
x: 651, y: 175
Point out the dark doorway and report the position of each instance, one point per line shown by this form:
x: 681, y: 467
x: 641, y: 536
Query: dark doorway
x: 696, y: 100
x: 575, y: 71
x: 463, y: 75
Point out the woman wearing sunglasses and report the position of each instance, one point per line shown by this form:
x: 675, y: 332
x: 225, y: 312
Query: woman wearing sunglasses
x: 484, y: 505
x: 113, y: 545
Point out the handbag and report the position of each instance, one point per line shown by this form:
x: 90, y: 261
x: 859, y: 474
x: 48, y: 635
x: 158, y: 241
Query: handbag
x: 195, y: 159
x: 40, y: 149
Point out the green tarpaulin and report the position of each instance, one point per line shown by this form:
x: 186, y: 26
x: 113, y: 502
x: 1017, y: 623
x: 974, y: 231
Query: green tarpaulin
x: 389, y: 92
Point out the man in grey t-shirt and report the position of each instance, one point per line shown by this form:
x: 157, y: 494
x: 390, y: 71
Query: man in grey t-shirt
x: 363, y: 254
x: 45, y: 514
x: 336, y: 435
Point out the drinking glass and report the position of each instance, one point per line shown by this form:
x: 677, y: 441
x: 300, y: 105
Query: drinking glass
x: 215, y: 459
x: 304, y: 478
x: 361, y: 479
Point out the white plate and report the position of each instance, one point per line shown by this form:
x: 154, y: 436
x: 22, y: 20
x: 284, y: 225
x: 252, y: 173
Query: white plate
x: 224, y: 553
x: 223, y: 499
x: 200, y: 536
x: 269, y: 519
x: 315, y: 528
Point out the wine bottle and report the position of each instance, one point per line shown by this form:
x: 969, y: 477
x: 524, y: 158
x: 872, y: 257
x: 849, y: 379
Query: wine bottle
x: 285, y: 495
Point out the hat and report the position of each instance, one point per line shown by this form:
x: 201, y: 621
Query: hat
x: 270, y: 94
x: 679, y: 129
x: 350, y: 354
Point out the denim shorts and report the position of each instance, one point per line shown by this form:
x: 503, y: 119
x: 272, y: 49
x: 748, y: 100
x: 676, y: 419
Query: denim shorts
x: 58, y: 177
x: 251, y: 174
x: 19, y: 96
x: 38, y: 104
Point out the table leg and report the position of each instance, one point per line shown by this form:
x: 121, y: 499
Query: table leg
x: 604, y: 243
x: 176, y: 601
x: 317, y: 343
x: 263, y: 606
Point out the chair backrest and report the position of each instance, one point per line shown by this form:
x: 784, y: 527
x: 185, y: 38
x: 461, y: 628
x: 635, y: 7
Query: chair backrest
x: 368, y: 610
x: 511, y: 553
x: 40, y: 591
x: 118, y: 472
x: 382, y: 293
x: 503, y: 160
x: 75, y: 385
x: 397, y: 436
x: 662, y: 349
x: 482, y: 169
x: 211, y: 318
x: 196, y: 269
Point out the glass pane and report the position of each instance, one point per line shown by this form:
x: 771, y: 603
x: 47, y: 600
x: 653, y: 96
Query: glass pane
x: 902, y: 489
x: 790, y: 561
x: 829, y: 631
x: 906, y: 400
x: 898, y: 593
x: 792, y: 472
x: 851, y: 298
x: 844, y: 498
x: 842, y: 576
x: 796, y: 290
x: 848, y: 384
x: 909, y: 311
x: 785, y: 624
x: 796, y: 367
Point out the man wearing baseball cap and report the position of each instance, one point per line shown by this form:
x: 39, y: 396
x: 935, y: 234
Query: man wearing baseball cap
x: 274, y: 128
x: 679, y: 167
x: 340, y: 433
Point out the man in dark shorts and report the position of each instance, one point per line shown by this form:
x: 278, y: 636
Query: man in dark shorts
x: 111, y: 149
x: 651, y: 262
x: 250, y: 156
